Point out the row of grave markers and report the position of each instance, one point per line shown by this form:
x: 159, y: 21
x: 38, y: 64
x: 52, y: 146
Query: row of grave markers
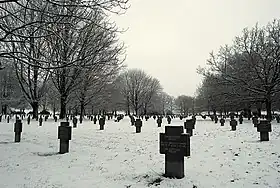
x: 174, y: 143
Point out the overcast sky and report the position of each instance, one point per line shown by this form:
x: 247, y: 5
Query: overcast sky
x: 170, y: 39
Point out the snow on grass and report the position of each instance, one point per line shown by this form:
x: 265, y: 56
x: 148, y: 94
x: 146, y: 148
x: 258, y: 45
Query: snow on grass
x: 118, y: 157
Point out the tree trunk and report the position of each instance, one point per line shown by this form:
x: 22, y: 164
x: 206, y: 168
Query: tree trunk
x: 5, y: 109
x: 35, y: 107
x: 62, y: 114
x: 268, y: 108
x: 54, y: 110
x: 82, y: 109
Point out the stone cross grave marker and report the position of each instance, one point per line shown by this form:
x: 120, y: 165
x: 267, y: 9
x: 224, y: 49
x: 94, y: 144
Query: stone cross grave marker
x: 132, y: 120
x: 75, y: 121
x: 277, y: 119
x: 40, y: 121
x: 101, y: 123
x: 189, y: 126
x: 264, y: 127
x: 138, y: 125
x: 240, y: 119
x: 216, y: 118
x: 64, y: 135
x: 28, y: 120
x: 168, y: 119
x: 18, y: 130
x: 222, y: 121
x: 94, y: 120
x: 159, y: 121
x: 233, y: 124
x: 175, y: 145
x: 255, y: 121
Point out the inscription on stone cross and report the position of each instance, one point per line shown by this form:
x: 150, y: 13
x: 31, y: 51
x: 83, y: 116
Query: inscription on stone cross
x: 175, y: 145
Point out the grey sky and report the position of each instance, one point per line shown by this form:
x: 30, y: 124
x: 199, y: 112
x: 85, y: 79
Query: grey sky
x: 170, y: 39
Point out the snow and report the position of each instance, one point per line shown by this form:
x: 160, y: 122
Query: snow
x: 118, y: 157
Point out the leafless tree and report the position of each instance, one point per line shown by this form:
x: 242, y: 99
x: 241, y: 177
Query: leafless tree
x: 138, y: 88
x: 45, y: 14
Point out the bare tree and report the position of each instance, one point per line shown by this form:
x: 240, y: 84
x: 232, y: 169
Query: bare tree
x: 138, y: 88
x: 47, y: 14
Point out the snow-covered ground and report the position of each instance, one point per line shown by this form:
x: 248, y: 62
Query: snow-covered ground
x: 118, y: 157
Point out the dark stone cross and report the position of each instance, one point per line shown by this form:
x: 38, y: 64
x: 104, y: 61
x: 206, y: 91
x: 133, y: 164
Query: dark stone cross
x: 28, y: 120
x: 222, y: 121
x: 75, y: 121
x: 216, y: 118
x: 17, y: 130
x: 264, y: 127
x: 94, y: 120
x: 240, y: 119
x: 132, y: 120
x: 277, y: 119
x: 175, y: 145
x: 138, y: 125
x: 189, y: 126
x: 233, y: 124
x: 102, y: 123
x: 255, y: 121
x: 168, y: 119
x: 64, y: 135
x: 40, y: 121
x: 159, y: 121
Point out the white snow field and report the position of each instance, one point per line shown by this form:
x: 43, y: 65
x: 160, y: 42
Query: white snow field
x: 119, y: 158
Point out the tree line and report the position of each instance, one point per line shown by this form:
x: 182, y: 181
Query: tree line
x: 66, y: 56
x: 244, y: 76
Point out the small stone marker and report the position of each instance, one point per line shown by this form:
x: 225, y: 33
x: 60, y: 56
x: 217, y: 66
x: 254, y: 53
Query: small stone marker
x: 240, y: 119
x: 189, y: 126
x: 81, y: 119
x: 146, y: 117
x: 277, y: 119
x: 168, y: 119
x: 102, y: 123
x: 75, y: 121
x: 222, y: 121
x: 8, y: 119
x: 28, y: 120
x: 40, y: 121
x: 216, y: 119
x: 64, y: 135
x: 132, y: 120
x: 255, y: 121
x: 181, y: 117
x: 264, y: 127
x: 233, y: 124
x: 46, y: 118
x: 138, y: 125
x: 55, y: 118
x: 175, y: 145
x: 1, y: 118
x: 94, y: 120
x: 17, y: 130
x: 159, y: 121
